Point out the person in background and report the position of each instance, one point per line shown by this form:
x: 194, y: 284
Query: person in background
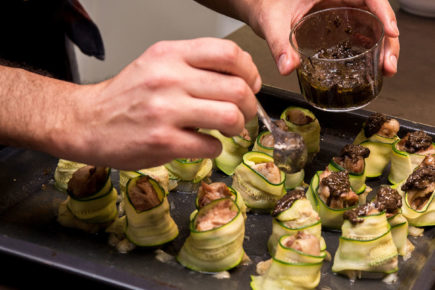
x: 146, y: 115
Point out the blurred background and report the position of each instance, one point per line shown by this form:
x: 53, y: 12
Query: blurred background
x: 129, y: 27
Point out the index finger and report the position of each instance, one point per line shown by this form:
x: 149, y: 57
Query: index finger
x: 222, y: 56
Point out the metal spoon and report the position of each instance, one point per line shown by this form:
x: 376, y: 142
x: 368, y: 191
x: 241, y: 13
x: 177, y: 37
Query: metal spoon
x: 289, y: 151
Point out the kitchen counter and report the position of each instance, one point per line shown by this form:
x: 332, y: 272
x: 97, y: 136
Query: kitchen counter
x: 410, y: 94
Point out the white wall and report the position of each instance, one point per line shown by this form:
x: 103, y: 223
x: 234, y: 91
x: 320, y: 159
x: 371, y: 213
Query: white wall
x: 128, y: 27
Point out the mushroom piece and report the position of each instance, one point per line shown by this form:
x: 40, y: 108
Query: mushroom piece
x: 352, y: 158
x: 335, y: 190
x: 87, y: 181
x: 382, y: 125
x: 354, y: 215
x: 417, y: 142
x: 420, y: 185
x: 388, y: 199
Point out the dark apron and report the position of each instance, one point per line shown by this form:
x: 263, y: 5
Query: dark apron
x: 35, y: 34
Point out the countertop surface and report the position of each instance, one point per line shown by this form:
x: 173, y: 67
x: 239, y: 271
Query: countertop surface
x: 410, y: 94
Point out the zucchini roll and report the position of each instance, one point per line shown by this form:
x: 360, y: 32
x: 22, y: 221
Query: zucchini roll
x: 189, y: 169
x: 418, y: 194
x: 265, y: 143
x: 292, y: 214
x: 408, y: 153
x: 366, y: 247
x: 233, y: 149
x: 216, y: 237
x: 148, y: 221
x: 159, y: 174
x: 295, y: 265
x: 64, y: 171
x: 389, y: 200
x: 330, y: 195
x: 352, y: 158
x: 259, y: 181
x: 91, y: 201
x: 378, y: 134
x: 217, y: 190
x: 305, y: 123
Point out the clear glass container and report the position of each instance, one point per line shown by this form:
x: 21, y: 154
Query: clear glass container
x: 341, y: 61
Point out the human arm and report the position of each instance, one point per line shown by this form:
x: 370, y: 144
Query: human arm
x: 144, y: 116
x: 272, y: 20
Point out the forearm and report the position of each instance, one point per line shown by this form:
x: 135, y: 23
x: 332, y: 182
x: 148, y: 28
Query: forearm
x: 238, y: 9
x: 31, y: 109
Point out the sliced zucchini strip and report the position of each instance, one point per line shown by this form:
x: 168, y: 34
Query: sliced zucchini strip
x: 151, y: 227
x: 330, y: 217
x: 64, y: 171
x: 290, y: 269
x: 310, y: 132
x: 292, y: 180
x: 257, y: 192
x: 402, y: 164
x: 215, y: 250
x: 186, y: 170
x: 96, y: 208
x: 299, y: 217
x: 399, y: 230
x: 233, y: 149
x: 374, y: 252
x: 380, y: 152
x: 418, y: 218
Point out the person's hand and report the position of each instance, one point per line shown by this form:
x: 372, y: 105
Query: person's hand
x: 273, y: 19
x: 147, y: 115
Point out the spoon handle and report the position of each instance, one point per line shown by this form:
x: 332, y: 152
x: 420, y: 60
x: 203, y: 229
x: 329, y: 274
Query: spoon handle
x: 264, y: 117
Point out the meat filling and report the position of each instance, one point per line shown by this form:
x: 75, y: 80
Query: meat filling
x: 267, y: 140
x: 287, y: 201
x: 335, y: 191
x: 304, y: 242
x: 87, y: 181
x: 420, y: 185
x: 245, y: 134
x: 281, y: 124
x: 143, y: 196
x: 388, y: 199
x: 269, y: 170
x: 219, y: 215
x: 417, y: 142
x: 209, y: 192
x: 298, y: 117
x: 354, y: 215
x: 382, y: 125
x: 352, y: 158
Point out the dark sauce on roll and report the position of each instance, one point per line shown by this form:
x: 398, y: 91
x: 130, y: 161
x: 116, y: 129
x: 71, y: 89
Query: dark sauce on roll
x: 287, y: 201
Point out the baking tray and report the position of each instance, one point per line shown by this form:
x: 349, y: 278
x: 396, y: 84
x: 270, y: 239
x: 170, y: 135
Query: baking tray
x: 31, y: 238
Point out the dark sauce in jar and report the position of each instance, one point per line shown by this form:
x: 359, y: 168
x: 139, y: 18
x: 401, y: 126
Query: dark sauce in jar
x: 339, y: 84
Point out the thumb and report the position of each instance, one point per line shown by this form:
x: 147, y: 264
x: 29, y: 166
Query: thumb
x: 277, y: 36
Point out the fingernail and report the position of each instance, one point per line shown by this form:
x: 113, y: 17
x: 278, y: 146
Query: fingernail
x: 282, y: 63
x: 257, y: 85
x: 394, y: 27
x: 393, y: 60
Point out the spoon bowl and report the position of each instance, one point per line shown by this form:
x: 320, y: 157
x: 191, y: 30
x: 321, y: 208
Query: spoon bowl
x: 289, y: 151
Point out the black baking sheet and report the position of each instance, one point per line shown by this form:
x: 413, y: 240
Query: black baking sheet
x: 29, y: 231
